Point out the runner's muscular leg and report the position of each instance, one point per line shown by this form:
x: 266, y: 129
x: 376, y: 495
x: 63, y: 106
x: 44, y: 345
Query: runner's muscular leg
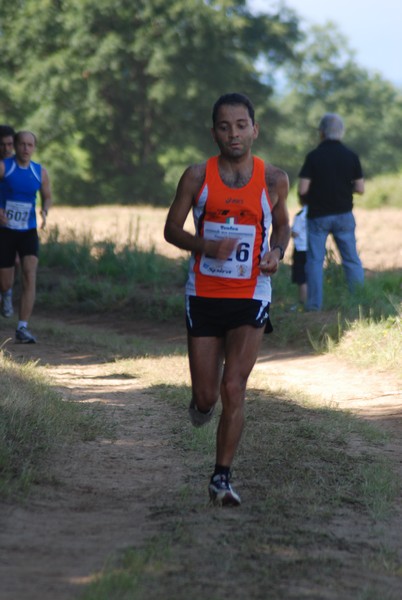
x: 6, y: 279
x: 241, y: 350
x: 206, y: 362
x: 29, y: 266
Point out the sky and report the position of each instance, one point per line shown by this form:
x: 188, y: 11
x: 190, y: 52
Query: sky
x: 373, y: 29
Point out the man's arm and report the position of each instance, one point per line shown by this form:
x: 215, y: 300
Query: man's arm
x: 46, y: 196
x: 303, y: 189
x: 358, y: 186
x: 188, y: 188
x: 3, y: 218
x: 278, y: 186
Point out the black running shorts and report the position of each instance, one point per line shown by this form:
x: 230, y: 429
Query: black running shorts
x: 12, y: 242
x: 299, y: 267
x: 213, y: 317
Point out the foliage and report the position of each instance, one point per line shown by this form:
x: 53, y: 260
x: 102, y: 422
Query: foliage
x: 120, y: 95
x: 327, y: 79
x: 383, y: 190
x: 118, y: 86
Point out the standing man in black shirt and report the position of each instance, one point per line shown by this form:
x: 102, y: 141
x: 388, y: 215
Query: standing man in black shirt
x: 329, y: 177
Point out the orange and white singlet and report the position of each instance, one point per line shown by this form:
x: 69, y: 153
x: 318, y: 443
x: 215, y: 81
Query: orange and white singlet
x: 241, y: 213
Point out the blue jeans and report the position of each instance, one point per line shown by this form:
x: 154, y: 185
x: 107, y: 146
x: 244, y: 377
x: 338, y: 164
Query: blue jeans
x: 342, y: 228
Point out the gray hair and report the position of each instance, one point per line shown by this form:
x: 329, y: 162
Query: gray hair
x: 331, y: 126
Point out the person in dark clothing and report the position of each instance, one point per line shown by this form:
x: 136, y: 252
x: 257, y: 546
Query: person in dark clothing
x: 7, y: 134
x: 329, y: 177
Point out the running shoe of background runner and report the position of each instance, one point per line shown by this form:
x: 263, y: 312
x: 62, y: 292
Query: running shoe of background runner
x: 24, y: 336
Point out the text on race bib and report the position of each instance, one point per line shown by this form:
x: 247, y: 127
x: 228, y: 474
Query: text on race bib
x: 240, y: 263
x: 17, y: 214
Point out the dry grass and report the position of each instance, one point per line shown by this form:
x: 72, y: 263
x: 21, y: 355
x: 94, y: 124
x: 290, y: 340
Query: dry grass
x: 378, y: 230
x: 313, y: 481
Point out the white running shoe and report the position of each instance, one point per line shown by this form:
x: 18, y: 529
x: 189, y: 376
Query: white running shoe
x: 221, y: 492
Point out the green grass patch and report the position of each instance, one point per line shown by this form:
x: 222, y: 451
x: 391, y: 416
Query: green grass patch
x: 383, y: 190
x: 364, y: 327
x: 34, y: 420
x: 122, y: 579
x: 371, y: 343
x: 314, y: 459
x: 188, y: 439
x: 105, y: 344
x: 299, y: 469
x: 81, y: 274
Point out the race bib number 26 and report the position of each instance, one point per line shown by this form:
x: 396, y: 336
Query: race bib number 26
x: 240, y: 263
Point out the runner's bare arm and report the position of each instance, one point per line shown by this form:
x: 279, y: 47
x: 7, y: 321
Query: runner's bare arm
x: 187, y: 190
x: 46, y: 196
x: 3, y: 218
x: 278, y: 187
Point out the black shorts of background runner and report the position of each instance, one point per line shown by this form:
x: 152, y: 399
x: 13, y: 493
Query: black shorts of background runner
x: 213, y: 317
x: 299, y: 266
x: 12, y: 242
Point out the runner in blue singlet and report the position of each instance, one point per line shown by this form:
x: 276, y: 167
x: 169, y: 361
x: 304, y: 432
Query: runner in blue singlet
x: 22, y: 179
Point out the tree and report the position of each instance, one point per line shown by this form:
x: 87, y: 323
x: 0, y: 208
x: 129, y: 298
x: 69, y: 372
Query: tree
x: 326, y: 78
x: 120, y: 93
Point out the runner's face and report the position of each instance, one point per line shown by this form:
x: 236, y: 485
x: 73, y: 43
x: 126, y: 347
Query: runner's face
x: 6, y: 146
x: 234, y: 131
x: 25, y: 147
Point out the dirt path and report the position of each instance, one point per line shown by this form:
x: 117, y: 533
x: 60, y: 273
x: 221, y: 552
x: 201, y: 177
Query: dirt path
x: 106, y: 491
x: 371, y: 394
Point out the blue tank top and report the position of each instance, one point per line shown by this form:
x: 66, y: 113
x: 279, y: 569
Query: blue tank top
x: 18, y: 194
